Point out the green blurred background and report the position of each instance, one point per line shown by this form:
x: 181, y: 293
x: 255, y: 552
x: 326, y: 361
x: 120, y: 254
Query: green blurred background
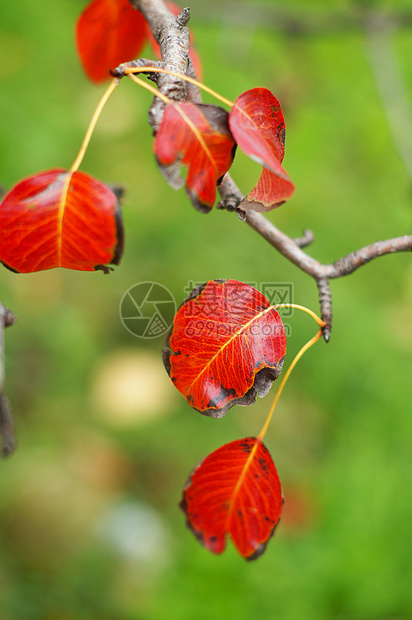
x: 89, y: 523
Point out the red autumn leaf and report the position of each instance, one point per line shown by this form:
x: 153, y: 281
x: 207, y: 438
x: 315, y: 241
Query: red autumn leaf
x: 60, y: 219
x: 257, y: 124
x: 193, y: 53
x: 226, y: 345
x: 108, y: 32
x: 199, y: 137
x: 234, y: 491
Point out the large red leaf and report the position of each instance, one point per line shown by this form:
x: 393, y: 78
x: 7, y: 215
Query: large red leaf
x: 60, y: 219
x: 257, y: 124
x: 193, y: 53
x: 199, y: 137
x: 108, y: 32
x: 226, y: 345
x: 234, y: 491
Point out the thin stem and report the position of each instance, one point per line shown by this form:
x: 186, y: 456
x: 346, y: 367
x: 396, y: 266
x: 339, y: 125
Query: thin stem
x: 77, y: 162
x: 174, y: 44
x: 285, y: 378
x: 132, y: 70
x: 7, y: 438
x: 298, y: 307
x: 151, y: 89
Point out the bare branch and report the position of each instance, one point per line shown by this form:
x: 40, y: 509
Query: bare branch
x: 173, y: 37
x: 174, y: 41
x: 8, y: 439
x: 306, y: 239
x: 119, y: 72
x: 8, y: 442
x: 349, y: 263
x: 284, y: 244
x: 183, y: 17
x: 325, y: 302
x: 292, y: 250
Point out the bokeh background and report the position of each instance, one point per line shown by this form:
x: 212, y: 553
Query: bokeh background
x: 89, y: 523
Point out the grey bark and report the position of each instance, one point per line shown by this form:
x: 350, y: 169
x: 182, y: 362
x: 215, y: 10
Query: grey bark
x: 172, y: 34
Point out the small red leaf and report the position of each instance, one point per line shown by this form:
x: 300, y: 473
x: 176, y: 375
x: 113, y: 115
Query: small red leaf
x: 234, y: 491
x: 193, y: 53
x: 199, y: 137
x: 257, y: 124
x: 108, y: 32
x: 226, y: 345
x: 60, y: 219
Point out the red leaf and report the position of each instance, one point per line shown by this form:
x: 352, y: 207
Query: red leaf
x: 226, y: 344
x: 193, y: 53
x: 257, y: 124
x: 60, y: 219
x: 108, y: 32
x: 199, y: 137
x: 236, y: 491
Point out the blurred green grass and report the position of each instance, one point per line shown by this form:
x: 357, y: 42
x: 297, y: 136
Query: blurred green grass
x: 86, y: 470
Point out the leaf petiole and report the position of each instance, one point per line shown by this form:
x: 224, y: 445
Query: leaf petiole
x: 86, y: 140
x: 286, y: 377
x: 173, y: 103
x: 304, y: 309
x: 132, y: 70
x: 150, y: 88
x: 297, y: 357
x: 92, y: 125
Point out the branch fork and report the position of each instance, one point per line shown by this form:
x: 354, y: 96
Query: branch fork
x: 173, y: 37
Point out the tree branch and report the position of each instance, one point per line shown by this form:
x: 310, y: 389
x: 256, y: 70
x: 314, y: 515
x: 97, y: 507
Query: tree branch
x: 306, y: 239
x: 165, y: 28
x: 292, y: 250
x: 8, y: 442
x: 172, y: 35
